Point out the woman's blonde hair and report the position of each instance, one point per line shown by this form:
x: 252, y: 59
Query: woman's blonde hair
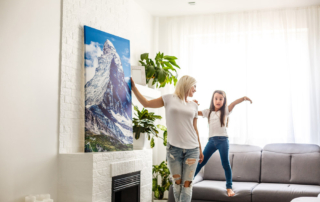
x: 183, y: 86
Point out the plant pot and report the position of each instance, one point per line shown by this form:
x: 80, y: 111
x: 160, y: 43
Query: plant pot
x: 160, y: 200
x: 150, y: 84
x: 140, y: 143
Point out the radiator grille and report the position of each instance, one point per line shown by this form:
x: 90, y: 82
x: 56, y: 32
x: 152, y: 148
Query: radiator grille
x: 125, y: 182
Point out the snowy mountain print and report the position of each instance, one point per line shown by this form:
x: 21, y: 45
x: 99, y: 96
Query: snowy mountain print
x: 108, y: 110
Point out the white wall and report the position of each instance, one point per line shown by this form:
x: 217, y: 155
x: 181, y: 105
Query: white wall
x: 29, y: 90
x: 30, y: 82
x: 124, y: 18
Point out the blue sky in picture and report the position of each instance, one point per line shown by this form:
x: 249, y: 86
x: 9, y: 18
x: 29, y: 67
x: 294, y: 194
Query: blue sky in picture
x: 94, y: 40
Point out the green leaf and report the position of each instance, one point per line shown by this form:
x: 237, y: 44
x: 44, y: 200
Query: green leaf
x: 161, y: 75
x: 142, y: 63
x: 152, y: 143
x: 169, y: 66
x: 136, y: 108
x: 144, y: 56
x: 151, y: 62
x: 157, y: 193
x: 165, y: 135
x: 157, y: 117
x: 162, y: 85
x: 137, y: 135
x: 154, y: 184
x: 162, y: 127
x: 149, y: 71
x: 169, y: 57
x: 174, y: 63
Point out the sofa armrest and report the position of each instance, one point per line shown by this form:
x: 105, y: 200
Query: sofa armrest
x: 198, y: 178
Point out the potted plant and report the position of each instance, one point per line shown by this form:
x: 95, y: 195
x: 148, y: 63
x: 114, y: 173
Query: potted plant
x: 161, y: 71
x: 160, y: 172
x: 143, y: 125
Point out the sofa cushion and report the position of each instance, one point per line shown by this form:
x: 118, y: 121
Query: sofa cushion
x: 291, y: 163
x: 266, y: 192
x: 216, y: 191
x: 213, y: 170
x: 275, y: 167
x: 244, y: 161
x: 246, y: 167
x: 305, y: 169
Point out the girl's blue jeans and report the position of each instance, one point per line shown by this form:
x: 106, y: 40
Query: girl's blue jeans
x: 220, y: 143
x: 182, y: 164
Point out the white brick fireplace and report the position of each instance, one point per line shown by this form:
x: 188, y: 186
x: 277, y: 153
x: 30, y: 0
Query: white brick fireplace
x: 87, y: 177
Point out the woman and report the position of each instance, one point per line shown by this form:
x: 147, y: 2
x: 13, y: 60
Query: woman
x: 183, y: 146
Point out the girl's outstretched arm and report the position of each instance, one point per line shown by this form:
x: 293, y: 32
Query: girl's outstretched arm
x: 155, y: 103
x: 234, y: 103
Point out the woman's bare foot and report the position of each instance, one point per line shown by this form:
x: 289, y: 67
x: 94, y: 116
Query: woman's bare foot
x: 230, y: 192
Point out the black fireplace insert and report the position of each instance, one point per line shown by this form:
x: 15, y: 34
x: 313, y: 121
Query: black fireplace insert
x: 126, y: 188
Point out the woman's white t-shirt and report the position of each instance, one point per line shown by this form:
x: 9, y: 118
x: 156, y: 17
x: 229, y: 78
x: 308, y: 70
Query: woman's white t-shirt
x: 179, y: 120
x: 215, y: 128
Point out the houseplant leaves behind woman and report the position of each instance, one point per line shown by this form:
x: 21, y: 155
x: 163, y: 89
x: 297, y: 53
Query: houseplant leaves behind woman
x: 162, y: 70
x: 144, y: 123
x: 162, y: 171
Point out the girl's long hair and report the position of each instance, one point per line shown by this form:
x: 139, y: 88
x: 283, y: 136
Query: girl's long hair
x: 222, y: 109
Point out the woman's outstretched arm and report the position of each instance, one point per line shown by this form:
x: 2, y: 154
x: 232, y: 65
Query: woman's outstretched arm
x: 155, y: 103
x: 195, y: 123
x: 233, y: 104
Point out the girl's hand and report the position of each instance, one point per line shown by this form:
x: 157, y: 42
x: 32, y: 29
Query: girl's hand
x: 133, y: 85
x: 201, y: 156
x: 196, y: 101
x: 246, y: 98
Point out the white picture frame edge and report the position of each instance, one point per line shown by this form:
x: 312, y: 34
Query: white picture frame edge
x: 141, y: 79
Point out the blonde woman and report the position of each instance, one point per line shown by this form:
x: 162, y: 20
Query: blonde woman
x: 183, y: 146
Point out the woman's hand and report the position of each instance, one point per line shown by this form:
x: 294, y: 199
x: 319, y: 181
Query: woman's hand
x: 133, y: 85
x: 201, y: 156
x: 246, y: 98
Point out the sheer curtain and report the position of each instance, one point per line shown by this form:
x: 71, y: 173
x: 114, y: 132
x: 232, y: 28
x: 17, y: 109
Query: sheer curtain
x: 273, y: 57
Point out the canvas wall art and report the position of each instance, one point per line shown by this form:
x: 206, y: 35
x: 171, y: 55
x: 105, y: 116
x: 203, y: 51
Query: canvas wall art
x: 108, y: 109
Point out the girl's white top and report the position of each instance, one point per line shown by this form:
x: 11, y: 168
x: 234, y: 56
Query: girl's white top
x: 215, y: 128
x: 179, y: 120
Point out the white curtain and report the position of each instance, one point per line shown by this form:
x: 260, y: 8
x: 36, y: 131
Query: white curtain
x: 273, y: 57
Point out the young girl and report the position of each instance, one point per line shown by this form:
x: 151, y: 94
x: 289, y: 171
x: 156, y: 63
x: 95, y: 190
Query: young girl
x: 217, y: 116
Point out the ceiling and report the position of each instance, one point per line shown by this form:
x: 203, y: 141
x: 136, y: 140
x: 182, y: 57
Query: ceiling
x: 181, y: 7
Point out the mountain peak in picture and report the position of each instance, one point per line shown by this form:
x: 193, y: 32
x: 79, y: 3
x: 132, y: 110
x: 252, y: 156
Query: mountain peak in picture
x: 108, y: 47
x: 108, y: 110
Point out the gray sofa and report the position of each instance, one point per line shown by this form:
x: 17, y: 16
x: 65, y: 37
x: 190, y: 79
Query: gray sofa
x: 276, y: 173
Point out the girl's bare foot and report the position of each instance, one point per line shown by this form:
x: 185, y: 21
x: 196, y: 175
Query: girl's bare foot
x: 230, y: 192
